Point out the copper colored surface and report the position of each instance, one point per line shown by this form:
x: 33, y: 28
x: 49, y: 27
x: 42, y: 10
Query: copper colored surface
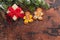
x: 32, y: 31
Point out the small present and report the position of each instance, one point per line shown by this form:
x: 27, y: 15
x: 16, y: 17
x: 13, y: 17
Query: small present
x: 15, y: 12
x: 38, y: 14
x: 28, y: 17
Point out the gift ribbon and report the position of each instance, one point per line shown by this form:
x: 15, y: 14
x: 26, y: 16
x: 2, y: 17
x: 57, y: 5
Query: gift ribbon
x: 16, y: 12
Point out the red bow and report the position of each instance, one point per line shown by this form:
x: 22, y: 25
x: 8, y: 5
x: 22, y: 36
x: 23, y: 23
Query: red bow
x: 16, y: 12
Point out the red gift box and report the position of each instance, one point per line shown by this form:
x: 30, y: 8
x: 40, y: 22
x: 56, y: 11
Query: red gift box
x: 15, y: 12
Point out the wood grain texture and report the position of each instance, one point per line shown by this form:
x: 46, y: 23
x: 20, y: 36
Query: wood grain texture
x: 32, y: 31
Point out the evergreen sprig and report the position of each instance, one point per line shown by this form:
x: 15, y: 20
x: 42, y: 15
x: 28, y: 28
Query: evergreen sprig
x: 30, y: 4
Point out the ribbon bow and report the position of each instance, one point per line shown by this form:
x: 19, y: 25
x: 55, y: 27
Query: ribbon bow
x: 18, y: 12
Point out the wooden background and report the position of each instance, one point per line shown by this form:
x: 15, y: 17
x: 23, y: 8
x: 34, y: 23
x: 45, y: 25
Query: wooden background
x: 35, y: 30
